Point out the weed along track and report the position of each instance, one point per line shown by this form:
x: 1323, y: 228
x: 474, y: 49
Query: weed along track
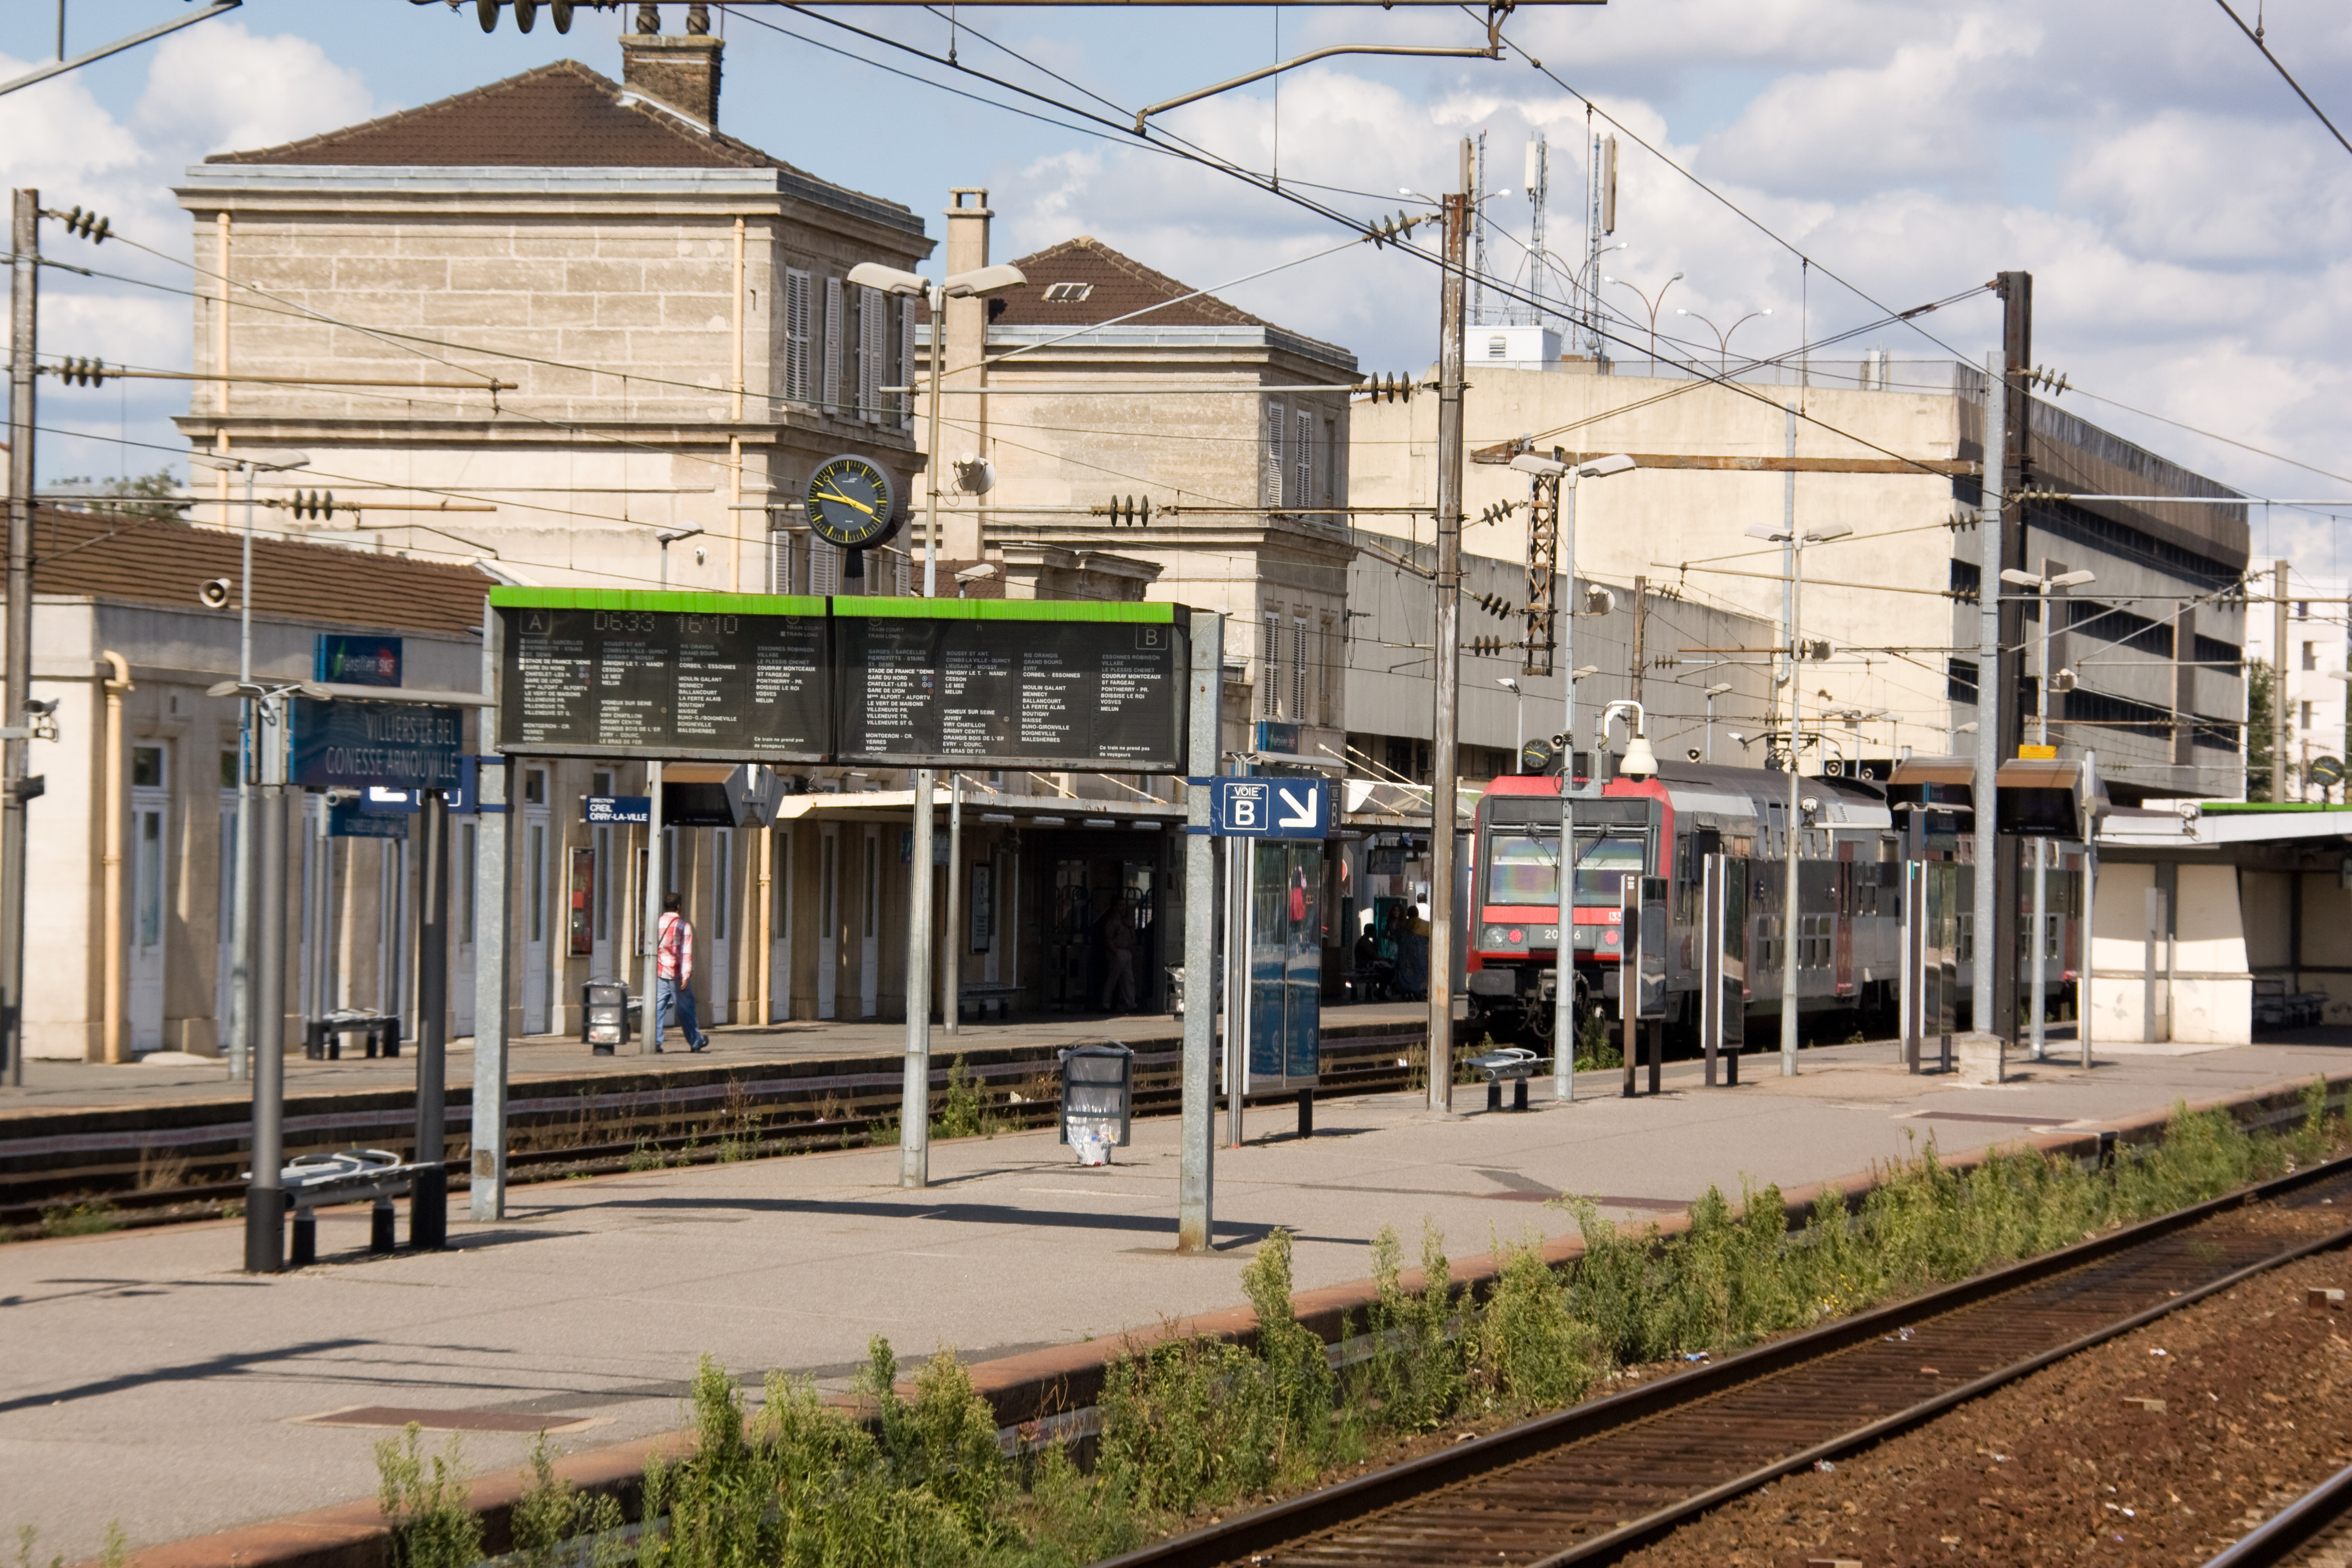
x: 1598, y: 1482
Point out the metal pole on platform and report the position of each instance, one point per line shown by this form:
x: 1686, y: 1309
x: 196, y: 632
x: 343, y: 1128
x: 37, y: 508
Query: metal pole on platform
x: 1238, y: 860
x: 428, y: 1190
x: 265, y: 1200
x: 914, y: 1097
x: 494, y: 845
x: 951, y: 953
x: 656, y: 884
x: 16, y: 682
x: 1990, y: 699
x: 2041, y: 916
x: 1447, y: 659
x: 1195, y: 1209
x: 1563, y: 1000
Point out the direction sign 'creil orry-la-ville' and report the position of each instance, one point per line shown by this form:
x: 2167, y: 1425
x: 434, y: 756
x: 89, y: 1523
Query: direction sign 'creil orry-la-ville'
x: 897, y: 682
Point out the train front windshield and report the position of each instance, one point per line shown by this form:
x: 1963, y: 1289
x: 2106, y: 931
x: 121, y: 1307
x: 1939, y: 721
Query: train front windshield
x: 1523, y: 865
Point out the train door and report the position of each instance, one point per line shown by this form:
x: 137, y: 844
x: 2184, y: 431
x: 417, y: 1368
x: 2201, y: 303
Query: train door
x: 869, y: 928
x: 828, y: 921
x: 466, y: 850
x: 1842, y: 935
x: 150, y: 861
x: 537, y: 872
x: 722, y: 922
x: 1071, y: 913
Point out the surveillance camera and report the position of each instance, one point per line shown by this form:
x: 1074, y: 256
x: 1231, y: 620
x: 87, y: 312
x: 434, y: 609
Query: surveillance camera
x: 40, y: 708
x: 699, y: 554
x: 215, y: 595
x: 1691, y: 753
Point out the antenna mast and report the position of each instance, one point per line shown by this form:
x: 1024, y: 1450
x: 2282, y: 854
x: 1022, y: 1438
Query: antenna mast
x: 1538, y: 187
x: 1479, y: 238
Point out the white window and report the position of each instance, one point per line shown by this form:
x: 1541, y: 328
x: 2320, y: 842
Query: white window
x: 1302, y: 462
x: 872, y: 353
x: 2311, y: 655
x: 824, y: 567
x: 1499, y: 348
x: 1269, y: 657
x: 2306, y: 715
x: 907, y: 363
x: 797, y: 388
x: 833, y: 330
x: 780, y: 562
x: 1270, y: 477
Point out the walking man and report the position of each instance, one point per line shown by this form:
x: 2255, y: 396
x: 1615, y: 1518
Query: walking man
x: 674, y: 976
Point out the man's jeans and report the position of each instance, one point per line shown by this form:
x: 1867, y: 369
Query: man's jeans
x: 671, y: 999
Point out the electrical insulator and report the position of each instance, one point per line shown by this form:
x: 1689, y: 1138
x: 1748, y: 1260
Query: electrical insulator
x: 81, y: 373
x: 527, y: 13
x: 1815, y: 649
x: 2047, y: 378
x: 1498, y: 512
x: 83, y: 226
x: 1390, y: 230
x: 1130, y: 511
x: 319, y: 504
x: 1497, y: 605
x: 1491, y: 648
x: 1385, y: 388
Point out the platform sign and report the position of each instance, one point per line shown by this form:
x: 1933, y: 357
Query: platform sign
x: 1270, y: 809
x: 726, y: 677
x: 609, y: 808
x: 995, y: 683
x: 355, y: 744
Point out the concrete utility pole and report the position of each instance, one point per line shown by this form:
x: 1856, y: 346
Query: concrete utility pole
x: 1448, y: 655
x: 265, y: 1200
x: 2016, y: 291
x: 1641, y: 602
x: 485, y: 1199
x: 915, y: 1112
x: 657, y: 883
x: 15, y: 753
x: 428, y: 1191
x: 1981, y: 1001
x: 2278, y: 679
x: 1195, y: 1208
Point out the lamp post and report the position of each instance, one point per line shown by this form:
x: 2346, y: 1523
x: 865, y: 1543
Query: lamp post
x: 915, y: 1112
x: 1653, y: 306
x: 1712, y: 692
x: 1563, y: 1000
x: 1722, y: 336
x: 1796, y: 540
x: 1519, y: 723
x: 2042, y: 585
x: 240, y: 974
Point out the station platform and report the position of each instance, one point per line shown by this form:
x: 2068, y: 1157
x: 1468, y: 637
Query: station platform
x: 152, y: 1384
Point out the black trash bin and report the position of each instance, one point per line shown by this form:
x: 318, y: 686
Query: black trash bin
x: 603, y: 1016
x: 1097, y: 1095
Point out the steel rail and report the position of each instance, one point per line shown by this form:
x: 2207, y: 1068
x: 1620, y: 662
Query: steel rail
x: 2286, y: 1532
x: 1292, y: 1523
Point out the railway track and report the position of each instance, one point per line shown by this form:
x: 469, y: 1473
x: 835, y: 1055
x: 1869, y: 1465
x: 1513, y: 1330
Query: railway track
x: 1591, y: 1484
x: 2313, y: 1532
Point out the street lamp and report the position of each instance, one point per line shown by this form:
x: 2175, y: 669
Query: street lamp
x: 1653, y: 306
x: 915, y: 1113
x: 1796, y: 540
x: 241, y: 988
x: 2041, y: 586
x: 1718, y: 689
x: 977, y: 284
x: 1722, y: 337
x: 1563, y: 1003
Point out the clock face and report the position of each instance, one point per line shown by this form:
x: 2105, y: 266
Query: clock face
x: 850, y: 504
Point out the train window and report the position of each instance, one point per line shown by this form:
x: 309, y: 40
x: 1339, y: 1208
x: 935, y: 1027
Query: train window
x: 1523, y: 868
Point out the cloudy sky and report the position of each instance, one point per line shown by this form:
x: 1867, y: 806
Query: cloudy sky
x: 2185, y: 216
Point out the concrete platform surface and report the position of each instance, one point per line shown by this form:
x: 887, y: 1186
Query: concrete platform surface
x: 148, y: 1382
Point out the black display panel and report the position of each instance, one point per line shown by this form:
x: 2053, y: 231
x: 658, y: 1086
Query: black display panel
x: 676, y: 676
x: 998, y: 684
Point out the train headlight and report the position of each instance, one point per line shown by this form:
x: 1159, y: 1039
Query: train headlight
x: 1517, y: 937
x: 1492, y: 936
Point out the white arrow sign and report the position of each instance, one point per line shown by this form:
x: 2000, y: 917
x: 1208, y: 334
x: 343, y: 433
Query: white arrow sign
x: 1303, y: 812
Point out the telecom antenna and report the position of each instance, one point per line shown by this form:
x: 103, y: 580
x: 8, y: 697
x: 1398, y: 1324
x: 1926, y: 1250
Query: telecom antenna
x: 1539, y: 188
x: 1478, y: 236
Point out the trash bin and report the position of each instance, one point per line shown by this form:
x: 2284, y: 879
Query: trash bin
x: 603, y: 1016
x: 1098, y: 1089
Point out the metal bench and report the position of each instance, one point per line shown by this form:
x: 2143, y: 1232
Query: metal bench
x: 1516, y: 1063
x: 322, y: 1038
x: 310, y: 1181
x: 974, y: 999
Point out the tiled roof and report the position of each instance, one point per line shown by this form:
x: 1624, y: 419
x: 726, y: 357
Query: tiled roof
x: 159, y: 561
x: 558, y: 116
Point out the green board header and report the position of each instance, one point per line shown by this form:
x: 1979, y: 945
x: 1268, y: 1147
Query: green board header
x: 843, y: 606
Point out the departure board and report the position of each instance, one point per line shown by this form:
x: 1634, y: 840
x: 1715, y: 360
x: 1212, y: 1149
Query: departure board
x: 734, y: 677
x: 998, y: 683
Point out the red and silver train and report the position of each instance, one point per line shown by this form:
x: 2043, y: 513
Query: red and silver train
x: 1848, y: 928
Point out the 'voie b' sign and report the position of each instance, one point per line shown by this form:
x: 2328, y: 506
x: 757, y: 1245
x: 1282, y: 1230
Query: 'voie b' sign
x: 399, y: 745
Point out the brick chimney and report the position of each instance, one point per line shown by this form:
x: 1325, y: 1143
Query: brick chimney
x: 681, y: 74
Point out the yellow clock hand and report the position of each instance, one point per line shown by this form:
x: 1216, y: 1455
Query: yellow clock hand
x: 829, y: 495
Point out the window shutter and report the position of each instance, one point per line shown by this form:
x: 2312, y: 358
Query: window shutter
x: 796, y: 335
x: 780, y: 561
x: 871, y: 347
x: 1269, y: 491
x: 1298, y: 668
x: 1302, y: 462
x: 833, y: 326
x: 824, y: 567
x: 907, y: 363
x: 1269, y: 675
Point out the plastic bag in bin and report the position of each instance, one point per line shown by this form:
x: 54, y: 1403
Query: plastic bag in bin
x: 1098, y: 1090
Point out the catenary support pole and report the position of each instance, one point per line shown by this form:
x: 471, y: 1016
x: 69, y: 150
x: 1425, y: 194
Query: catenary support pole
x: 16, y: 685
x: 1448, y: 657
x: 1239, y: 856
x: 1195, y: 1178
x: 494, y: 846
x: 265, y: 1200
x: 2016, y: 291
x: 914, y: 1097
x: 951, y: 939
x: 240, y: 960
x: 2279, y: 575
x: 428, y: 1190
x: 1989, y: 692
x: 657, y: 883
x: 2041, y: 918
x: 1563, y: 999
x: 1792, y: 917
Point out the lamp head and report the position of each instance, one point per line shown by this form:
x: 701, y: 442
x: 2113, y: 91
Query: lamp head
x: 2074, y: 579
x: 1718, y: 688
x: 889, y: 279
x: 1601, y: 468
x: 1581, y: 670
x: 1528, y: 463
x: 1771, y: 531
x: 1508, y: 684
x: 2023, y: 579
x: 1828, y: 531
x: 984, y: 280
x: 1639, y: 759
